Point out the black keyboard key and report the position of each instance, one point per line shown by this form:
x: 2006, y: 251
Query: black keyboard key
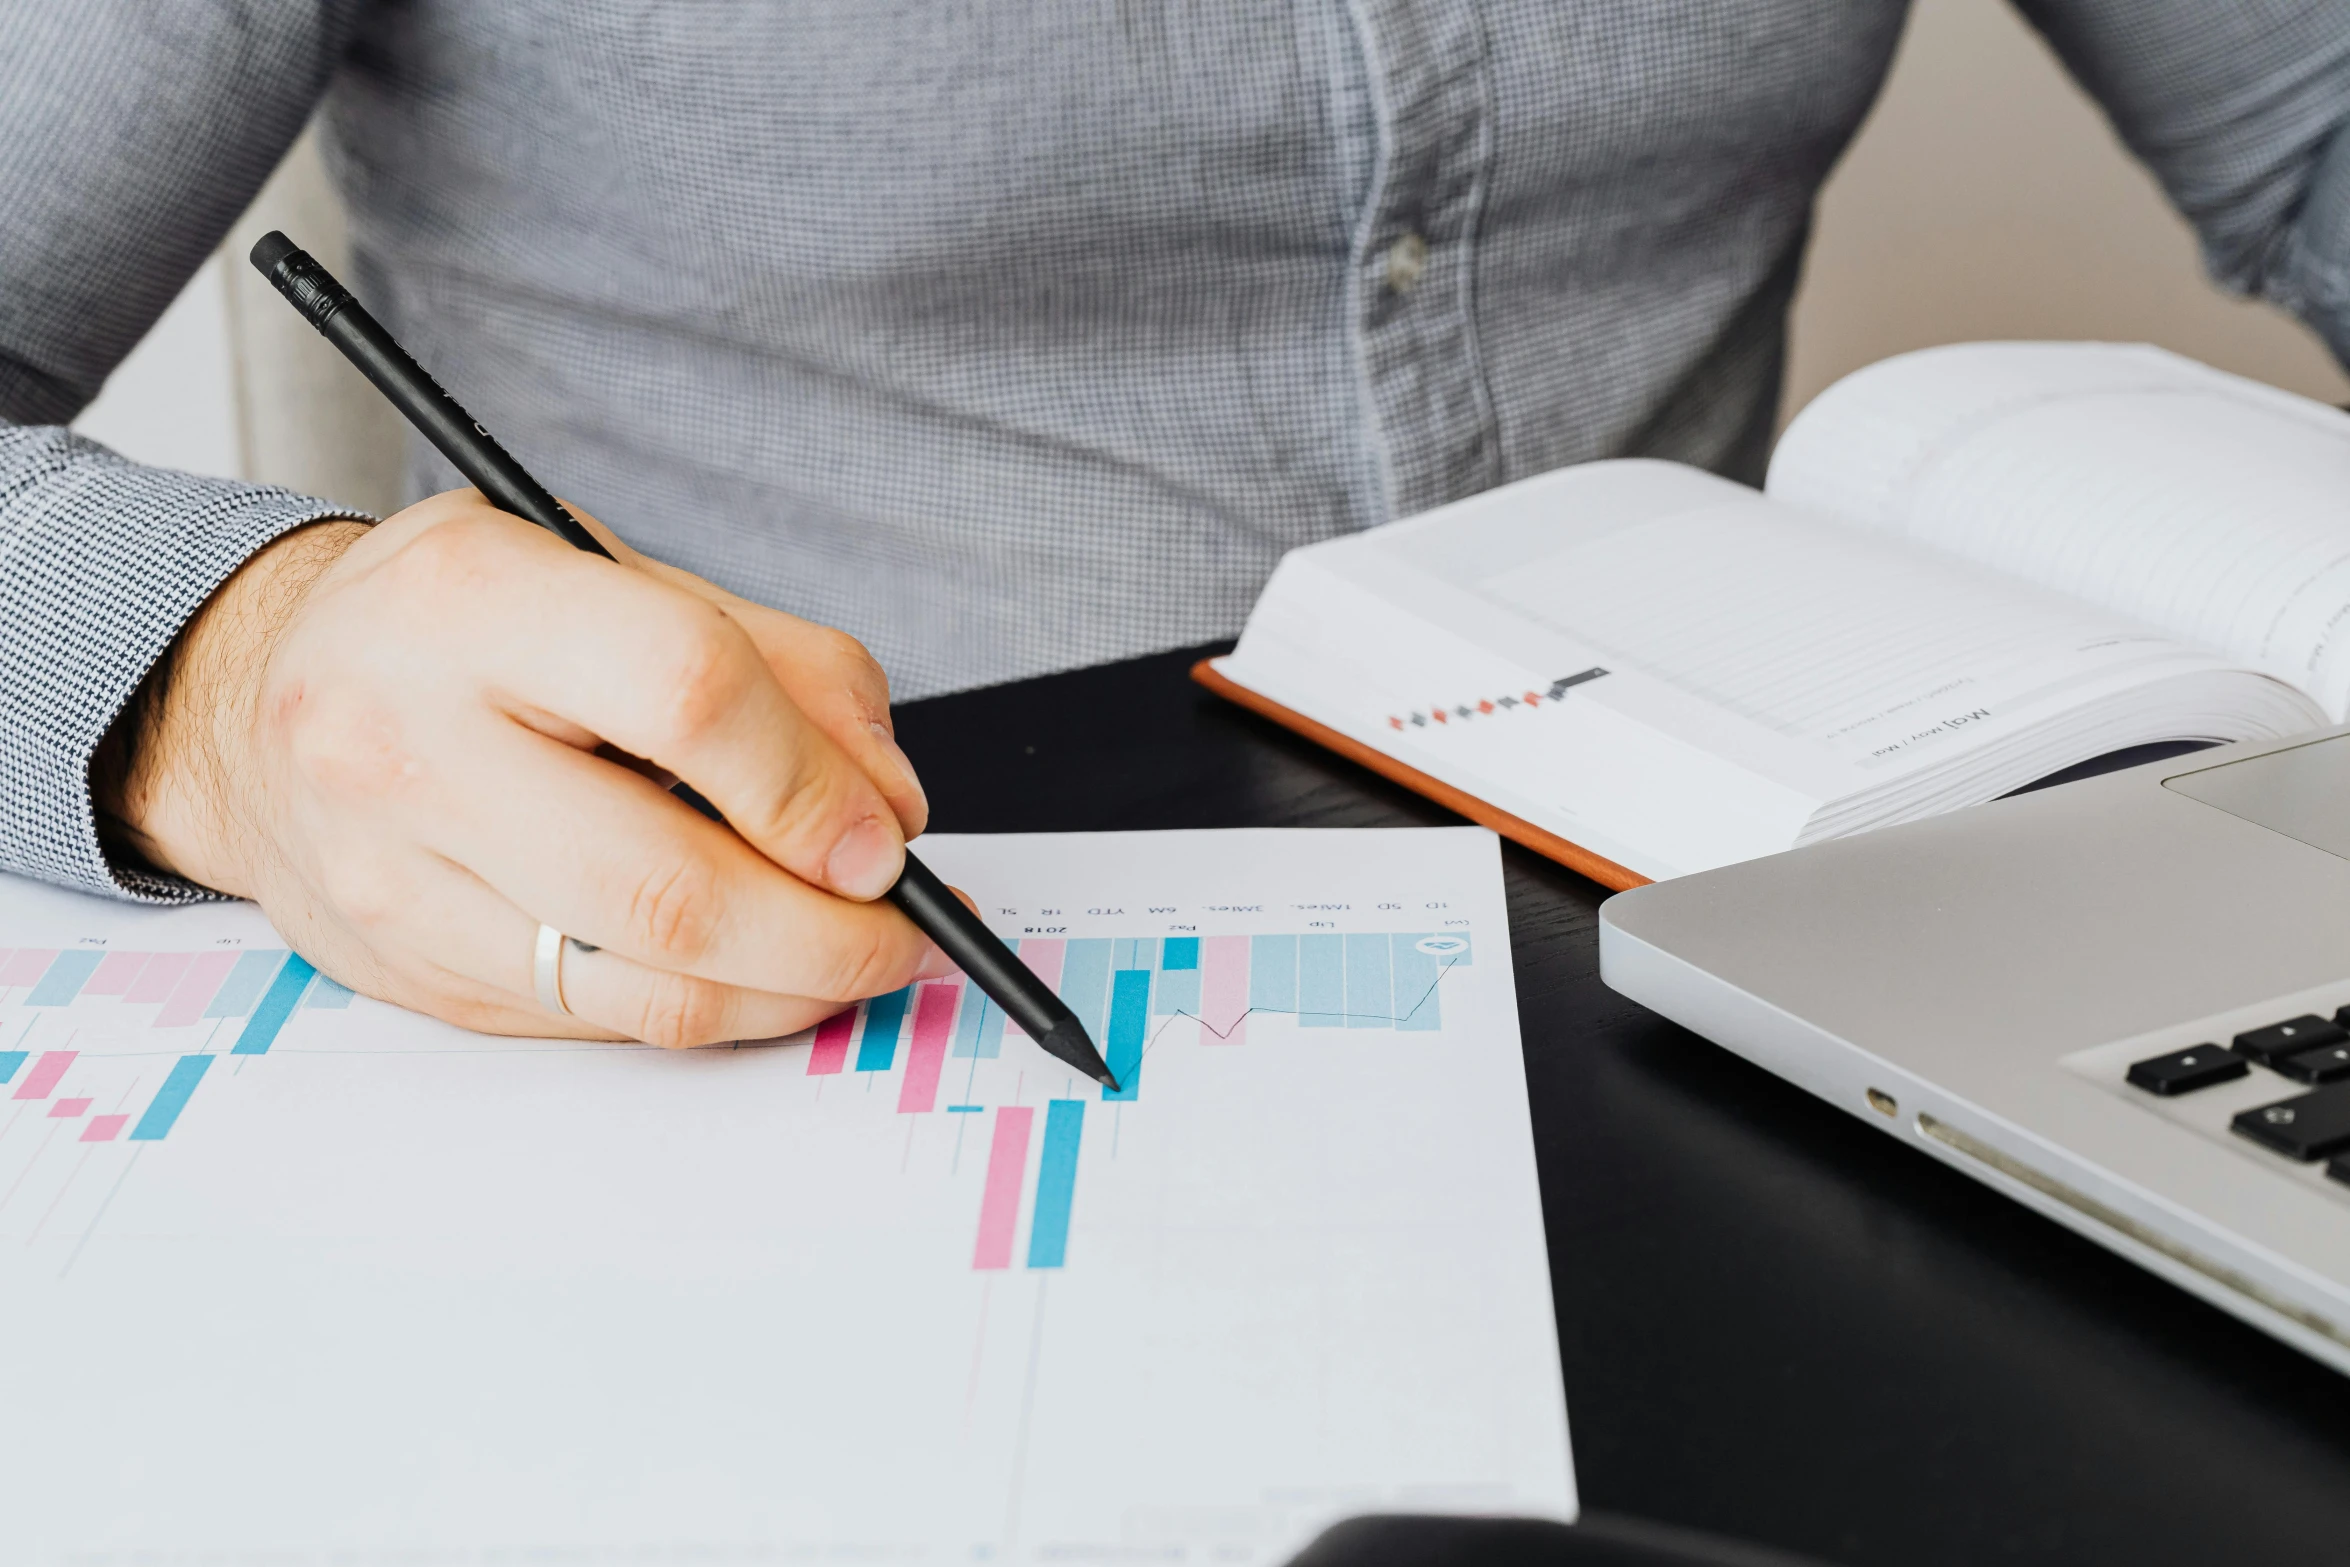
x: 2325, y: 1064
x: 2197, y: 1066
x: 2290, y: 1038
x: 2339, y: 1170
x: 2310, y: 1127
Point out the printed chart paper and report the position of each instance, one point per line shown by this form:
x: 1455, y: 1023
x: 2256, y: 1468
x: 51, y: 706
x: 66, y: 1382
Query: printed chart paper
x: 293, y: 1276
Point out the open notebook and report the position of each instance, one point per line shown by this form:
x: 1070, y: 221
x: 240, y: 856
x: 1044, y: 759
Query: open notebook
x: 1971, y: 567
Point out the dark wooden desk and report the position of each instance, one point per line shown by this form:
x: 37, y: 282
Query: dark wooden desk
x: 1777, y: 1324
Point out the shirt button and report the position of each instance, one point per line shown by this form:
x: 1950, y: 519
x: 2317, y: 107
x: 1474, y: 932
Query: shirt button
x: 1407, y: 258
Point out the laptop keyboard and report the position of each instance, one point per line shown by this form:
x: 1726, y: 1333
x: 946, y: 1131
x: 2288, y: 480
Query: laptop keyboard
x: 2307, y: 1049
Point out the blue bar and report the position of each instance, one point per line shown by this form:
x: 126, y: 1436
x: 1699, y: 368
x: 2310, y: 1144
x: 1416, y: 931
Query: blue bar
x: 1369, y: 1001
x: 1130, y: 1019
x: 965, y: 1109
x: 1056, y: 1182
x: 170, y: 1099
x: 327, y: 996
x: 1272, y: 973
x: 979, y: 1027
x: 63, y: 980
x: 1085, y: 981
x: 1415, y: 974
x: 877, y: 1048
x: 285, y: 993
x: 1175, y: 988
x: 1321, y: 981
x: 12, y: 1062
x: 1176, y: 991
x: 242, y: 988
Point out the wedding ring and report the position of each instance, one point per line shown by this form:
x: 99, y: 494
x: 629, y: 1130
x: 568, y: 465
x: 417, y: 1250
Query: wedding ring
x: 546, y: 970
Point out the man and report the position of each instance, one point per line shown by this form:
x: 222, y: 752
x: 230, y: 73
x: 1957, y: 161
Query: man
x: 1005, y: 336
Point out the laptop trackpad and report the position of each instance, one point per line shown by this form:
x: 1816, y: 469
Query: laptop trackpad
x: 2303, y: 793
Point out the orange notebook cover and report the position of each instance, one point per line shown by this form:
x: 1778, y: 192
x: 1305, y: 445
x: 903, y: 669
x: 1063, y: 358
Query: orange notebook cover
x: 1515, y: 828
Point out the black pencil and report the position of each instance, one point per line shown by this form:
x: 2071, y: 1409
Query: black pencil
x: 925, y: 900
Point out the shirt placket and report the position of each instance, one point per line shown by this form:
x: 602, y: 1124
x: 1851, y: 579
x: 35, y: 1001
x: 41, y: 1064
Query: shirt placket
x: 1412, y: 289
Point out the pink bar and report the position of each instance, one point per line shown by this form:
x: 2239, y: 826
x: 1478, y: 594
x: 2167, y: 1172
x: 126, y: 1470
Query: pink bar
x: 934, y: 1020
x: 999, y: 1203
x: 193, y: 993
x: 161, y: 973
x: 832, y: 1043
x: 25, y: 965
x: 1223, y: 990
x: 67, y: 1109
x: 104, y: 1128
x: 115, y: 974
x: 45, y: 1073
x: 1044, y: 959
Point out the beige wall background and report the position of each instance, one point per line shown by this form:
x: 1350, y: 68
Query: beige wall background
x: 1985, y: 198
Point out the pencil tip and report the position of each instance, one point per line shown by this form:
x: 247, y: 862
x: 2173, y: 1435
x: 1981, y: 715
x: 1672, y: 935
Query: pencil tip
x: 1067, y: 1041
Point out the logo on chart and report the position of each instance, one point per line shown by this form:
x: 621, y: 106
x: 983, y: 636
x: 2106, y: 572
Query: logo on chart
x: 1493, y: 706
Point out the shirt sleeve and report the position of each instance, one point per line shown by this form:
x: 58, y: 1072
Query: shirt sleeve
x: 2240, y: 107
x: 132, y: 134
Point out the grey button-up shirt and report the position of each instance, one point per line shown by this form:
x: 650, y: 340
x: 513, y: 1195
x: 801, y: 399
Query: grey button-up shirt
x: 1005, y: 335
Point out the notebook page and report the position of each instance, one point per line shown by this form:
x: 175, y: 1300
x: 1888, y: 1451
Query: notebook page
x: 1649, y: 778
x: 1879, y: 655
x: 2148, y: 485
x: 1742, y: 675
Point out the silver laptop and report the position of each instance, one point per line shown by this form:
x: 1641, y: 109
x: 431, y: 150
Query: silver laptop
x: 2120, y: 1001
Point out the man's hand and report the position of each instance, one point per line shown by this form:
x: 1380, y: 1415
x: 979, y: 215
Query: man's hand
x: 413, y: 743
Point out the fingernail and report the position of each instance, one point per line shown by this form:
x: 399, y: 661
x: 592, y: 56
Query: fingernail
x: 905, y: 765
x: 937, y: 965
x: 866, y: 860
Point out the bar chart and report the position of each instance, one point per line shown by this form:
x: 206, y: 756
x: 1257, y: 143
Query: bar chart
x: 176, y: 1016
x: 1128, y: 991
x: 111, y: 1047
x: 1295, y: 1267
x: 1117, y: 986
x: 249, y: 995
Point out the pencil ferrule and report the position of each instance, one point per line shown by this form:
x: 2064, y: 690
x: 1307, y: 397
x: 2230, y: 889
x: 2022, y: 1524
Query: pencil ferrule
x: 310, y: 288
